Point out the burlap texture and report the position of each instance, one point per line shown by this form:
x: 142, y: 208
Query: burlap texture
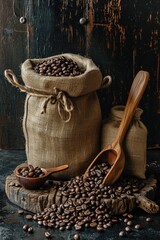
x: 50, y: 141
x: 134, y: 144
x: 89, y: 81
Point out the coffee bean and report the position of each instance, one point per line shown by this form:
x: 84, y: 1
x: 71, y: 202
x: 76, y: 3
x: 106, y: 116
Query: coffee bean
x: 78, y: 227
x: 129, y: 223
x: 76, y: 237
x: 109, y: 224
x: 30, y: 230
x: 122, y: 234
x: 29, y: 217
x: 30, y: 174
x: 50, y: 225
x: 61, y: 228
x: 138, y: 227
x: 30, y: 168
x: 20, y: 211
x: 93, y: 224
x: 125, y: 215
x: 105, y: 226
x: 148, y: 219
x: 25, y: 227
x: 114, y: 220
x: 87, y: 213
x: 68, y: 227
x: 100, y: 228
x: 24, y: 174
x: 130, y: 216
x: 40, y: 222
x: 120, y: 188
x: 128, y: 229
x: 47, y: 235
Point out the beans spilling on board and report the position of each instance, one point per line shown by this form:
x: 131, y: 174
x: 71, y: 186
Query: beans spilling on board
x: 31, y: 172
x: 84, y: 206
x: 58, y: 66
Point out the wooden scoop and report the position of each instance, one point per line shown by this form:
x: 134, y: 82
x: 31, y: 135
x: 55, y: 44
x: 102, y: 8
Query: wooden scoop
x: 35, y: 183
x: 113, y: 154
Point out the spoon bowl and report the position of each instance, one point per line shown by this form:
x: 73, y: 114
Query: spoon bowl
x: 37, y: 182
x: 113, y: 154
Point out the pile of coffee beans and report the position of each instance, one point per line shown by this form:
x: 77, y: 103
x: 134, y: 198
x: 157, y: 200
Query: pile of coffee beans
x: 84, y: 206
x: 31, y: 172
x: 58, y: 66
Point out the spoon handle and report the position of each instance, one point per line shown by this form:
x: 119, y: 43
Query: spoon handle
x: 57, y: 169
x: 136, y: 92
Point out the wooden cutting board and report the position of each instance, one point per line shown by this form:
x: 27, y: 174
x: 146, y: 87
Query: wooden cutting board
x: 36, y: 200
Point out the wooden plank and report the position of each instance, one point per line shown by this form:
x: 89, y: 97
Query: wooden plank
x: 54, y: 27
x: 123, y: 37
x: 38, y: 199
x: 13, y: 49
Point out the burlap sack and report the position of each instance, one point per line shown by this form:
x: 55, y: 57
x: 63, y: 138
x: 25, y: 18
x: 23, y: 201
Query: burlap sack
x: 62, y: 117
x: 134, y: 144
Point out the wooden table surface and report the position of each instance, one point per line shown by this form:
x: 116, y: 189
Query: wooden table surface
x: 11, y: 222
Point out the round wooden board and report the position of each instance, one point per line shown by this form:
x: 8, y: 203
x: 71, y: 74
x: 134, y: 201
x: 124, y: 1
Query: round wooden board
x: 36, y: 200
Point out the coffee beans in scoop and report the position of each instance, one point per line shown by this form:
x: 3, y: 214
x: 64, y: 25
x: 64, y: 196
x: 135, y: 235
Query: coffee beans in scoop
x: 31, y: 172
x: 58, y: 66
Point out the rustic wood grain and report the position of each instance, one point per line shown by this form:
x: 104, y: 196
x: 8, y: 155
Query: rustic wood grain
x: 54, y: 27
x: 124, y: 37
x: 13, y: 49
x: 36, y: 200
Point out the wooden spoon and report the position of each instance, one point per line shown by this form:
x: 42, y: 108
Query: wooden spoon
x: 113, y: 154
x: 35, y: 183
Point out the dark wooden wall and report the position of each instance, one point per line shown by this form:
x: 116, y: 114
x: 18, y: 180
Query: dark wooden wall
x: 121, y: 36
